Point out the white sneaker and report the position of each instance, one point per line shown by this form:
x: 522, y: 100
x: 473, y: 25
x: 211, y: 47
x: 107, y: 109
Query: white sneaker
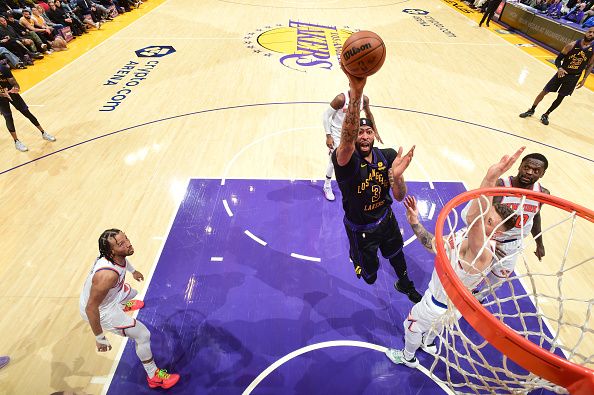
x: 328, y: 193
x: 397, y: 356
x: 97, y: 25
x: 20, y: 146
x: 48, y: 137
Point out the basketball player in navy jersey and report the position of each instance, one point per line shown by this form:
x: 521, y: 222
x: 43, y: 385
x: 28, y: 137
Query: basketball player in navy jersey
x: 9, y: 94
x: 332, y: 119
x: 365, y: 176
x: 575, y: 58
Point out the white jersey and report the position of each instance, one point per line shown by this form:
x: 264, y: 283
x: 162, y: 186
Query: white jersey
x: 529, y: 210
x: 114, y: 296
x: 470, y: 281
x: 338, y: 118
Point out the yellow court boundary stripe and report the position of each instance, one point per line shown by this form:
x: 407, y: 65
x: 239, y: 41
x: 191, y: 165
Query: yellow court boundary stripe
x: 538, y: 52
x: 76, y: 48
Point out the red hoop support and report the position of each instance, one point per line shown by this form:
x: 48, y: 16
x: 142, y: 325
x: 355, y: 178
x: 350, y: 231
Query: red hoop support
x: 577, y: 379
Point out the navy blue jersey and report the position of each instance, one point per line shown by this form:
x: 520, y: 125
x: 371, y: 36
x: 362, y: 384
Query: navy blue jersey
x: 577, y: 59
x: 365, y: 186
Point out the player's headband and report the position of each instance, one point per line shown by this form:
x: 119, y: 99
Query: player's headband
x: 365, y: 122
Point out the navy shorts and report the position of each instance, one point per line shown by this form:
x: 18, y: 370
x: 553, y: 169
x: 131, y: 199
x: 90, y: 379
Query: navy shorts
x: 364, y: 245
x: 564, y: 85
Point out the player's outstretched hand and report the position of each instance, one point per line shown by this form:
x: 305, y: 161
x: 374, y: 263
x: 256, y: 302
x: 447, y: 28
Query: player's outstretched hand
x: 138, y: 276
x: 504, y: 164
x: 357, y: 83
x: 401, y: 162
x: 412, y: 211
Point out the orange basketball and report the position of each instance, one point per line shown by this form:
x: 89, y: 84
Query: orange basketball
x: 363, y: 53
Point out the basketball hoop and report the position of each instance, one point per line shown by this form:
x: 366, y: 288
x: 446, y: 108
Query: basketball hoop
x: 532, y: 350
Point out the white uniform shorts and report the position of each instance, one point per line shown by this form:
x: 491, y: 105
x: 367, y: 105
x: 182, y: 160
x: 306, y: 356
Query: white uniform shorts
x: 113, y: 318
x: 425, y: 315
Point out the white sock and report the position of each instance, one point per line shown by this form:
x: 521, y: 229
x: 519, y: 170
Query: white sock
x: 408, y: 355
x: 327, y: 183
x: 150, y: 367
x: 329, y: 171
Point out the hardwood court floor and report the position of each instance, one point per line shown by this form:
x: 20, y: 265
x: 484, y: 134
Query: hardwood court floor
x: 205, y: 111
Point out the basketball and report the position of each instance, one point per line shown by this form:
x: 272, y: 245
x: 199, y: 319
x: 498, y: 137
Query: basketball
x: 363, y: 54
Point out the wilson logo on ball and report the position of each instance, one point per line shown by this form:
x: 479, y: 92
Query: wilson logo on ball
x: 354, y: 51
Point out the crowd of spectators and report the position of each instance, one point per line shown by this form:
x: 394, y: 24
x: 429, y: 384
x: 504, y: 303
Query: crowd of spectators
x: 30, y: 29
x: 580, y: 12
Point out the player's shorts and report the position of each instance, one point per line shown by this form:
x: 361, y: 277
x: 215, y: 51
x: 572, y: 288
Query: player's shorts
x: 425, y: 315
x: 113, y: 318
x: 16, y: 100
x: 503, y: 267
x: 564, y: 85
x: 364, y: 244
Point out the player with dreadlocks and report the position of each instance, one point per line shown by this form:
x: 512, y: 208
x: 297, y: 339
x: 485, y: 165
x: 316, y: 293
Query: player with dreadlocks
x: 105, y: 299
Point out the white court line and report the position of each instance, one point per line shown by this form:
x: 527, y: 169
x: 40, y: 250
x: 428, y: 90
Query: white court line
x: 305, y: 257
x: 229, y: 212
x: 426, y: 174
x: 332, y: 343
x: 216, y: 259
x: 98, y: 379
x: 141, y: 295
x: 431, y: 211
x: 245, y: 147
x: 255, y: 238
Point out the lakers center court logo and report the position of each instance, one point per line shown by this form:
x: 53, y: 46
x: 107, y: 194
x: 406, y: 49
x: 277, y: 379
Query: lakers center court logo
x: 300, y: 46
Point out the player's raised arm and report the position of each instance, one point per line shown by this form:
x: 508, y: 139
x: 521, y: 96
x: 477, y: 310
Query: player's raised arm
x: 476, y: 232
x: 426, y: 238
x: 350, y: 127
x: 396, y: 173
x: 369, y: 116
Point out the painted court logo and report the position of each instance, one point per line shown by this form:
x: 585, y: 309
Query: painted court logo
x: 155, y: 51
x: 301, y: 45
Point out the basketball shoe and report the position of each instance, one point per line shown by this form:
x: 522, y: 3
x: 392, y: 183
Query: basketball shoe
x: 133, y: 304
x: 397, y: 356
x: 162, y: 379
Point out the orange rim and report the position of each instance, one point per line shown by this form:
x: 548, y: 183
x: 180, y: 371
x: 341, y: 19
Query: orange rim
x: 577, y: 379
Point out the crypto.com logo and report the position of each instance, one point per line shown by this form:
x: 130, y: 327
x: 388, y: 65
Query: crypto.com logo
x: 155, y: 51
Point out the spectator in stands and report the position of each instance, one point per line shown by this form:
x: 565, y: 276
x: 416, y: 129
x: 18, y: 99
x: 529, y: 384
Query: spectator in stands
x: 56, y: 40
x: 41, y: 17
x: 71, y: 14
x: 588, y: 12
x: 554, y: 9
x: 97, y: 12
x: 16, y: 44
x: 12, y: 59
x: 540, y: 5
x: 56, y: 13
x: 45, y: 33
x: 576, y: 14
x: 26, y: 36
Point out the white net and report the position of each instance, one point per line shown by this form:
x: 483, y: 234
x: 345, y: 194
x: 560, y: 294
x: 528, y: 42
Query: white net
x: 548, y: 302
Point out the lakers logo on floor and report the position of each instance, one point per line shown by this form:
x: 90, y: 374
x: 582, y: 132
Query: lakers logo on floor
x: 300, y: 46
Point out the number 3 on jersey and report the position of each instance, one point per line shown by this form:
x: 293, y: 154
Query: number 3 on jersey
x: 375, y: 190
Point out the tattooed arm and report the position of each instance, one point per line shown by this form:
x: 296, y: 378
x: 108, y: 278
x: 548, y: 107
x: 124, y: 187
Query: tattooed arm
x: 412, y: 216
x: 350, y: 126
